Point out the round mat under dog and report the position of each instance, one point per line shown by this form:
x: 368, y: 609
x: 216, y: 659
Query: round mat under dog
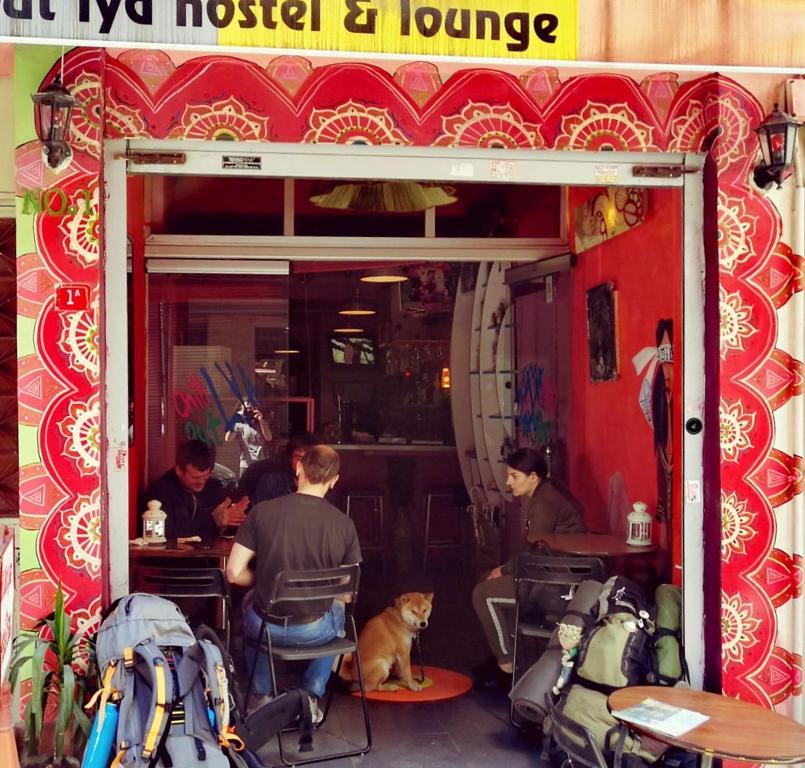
x: 439, y: 684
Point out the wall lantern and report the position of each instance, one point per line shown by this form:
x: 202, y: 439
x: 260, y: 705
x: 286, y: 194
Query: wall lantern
x: 54, y: 108
x: 777, y: 136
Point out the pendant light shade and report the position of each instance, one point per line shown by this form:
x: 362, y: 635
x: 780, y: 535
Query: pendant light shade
x: 385, y: 275
x: 385, y: 196
x: 356, y: 308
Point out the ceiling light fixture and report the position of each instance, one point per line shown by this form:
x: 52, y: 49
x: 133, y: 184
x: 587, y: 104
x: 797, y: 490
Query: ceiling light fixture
x: 356, y: 307
x: 385, y: 196
x: 289, y: 351
x: 349, y: 330
x: 385, y: 275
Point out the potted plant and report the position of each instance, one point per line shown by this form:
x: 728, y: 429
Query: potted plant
x: 62, y: 667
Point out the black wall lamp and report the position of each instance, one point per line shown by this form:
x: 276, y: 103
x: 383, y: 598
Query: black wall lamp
x: 54, y: 110
x: 777, y: 136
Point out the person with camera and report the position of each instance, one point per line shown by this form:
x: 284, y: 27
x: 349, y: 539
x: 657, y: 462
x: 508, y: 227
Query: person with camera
x: 251, y: 433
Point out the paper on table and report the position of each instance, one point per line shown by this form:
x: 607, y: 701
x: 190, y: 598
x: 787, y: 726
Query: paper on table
x: 663, y: 718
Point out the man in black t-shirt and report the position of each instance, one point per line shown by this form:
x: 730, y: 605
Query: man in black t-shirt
x: 194, y: 502
x: 299, y: 531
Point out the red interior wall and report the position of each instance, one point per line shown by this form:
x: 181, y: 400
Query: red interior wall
x: 608, y: 431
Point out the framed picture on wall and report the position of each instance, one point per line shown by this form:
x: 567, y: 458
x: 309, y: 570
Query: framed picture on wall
x: 601, y: 332
x: 429, y: 290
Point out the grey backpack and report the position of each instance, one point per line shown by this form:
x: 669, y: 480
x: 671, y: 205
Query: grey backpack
x: 170, y: 689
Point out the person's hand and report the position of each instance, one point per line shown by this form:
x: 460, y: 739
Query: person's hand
x: 495, y: 573
x: 228, y: 513
x: 257, y: 416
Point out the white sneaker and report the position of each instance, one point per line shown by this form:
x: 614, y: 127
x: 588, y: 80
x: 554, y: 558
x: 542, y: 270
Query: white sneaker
x: 316, y: 715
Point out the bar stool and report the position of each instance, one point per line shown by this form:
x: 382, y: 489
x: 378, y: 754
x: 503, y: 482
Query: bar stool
x: 371, y: 528
x: 441, y: 500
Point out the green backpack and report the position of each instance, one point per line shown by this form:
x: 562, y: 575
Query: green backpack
x: 589, y: 708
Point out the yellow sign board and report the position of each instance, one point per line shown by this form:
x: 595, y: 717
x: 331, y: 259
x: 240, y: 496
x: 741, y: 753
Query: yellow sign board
x: 500, y: 29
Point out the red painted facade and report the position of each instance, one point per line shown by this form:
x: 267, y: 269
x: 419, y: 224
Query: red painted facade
x: 142, y: 94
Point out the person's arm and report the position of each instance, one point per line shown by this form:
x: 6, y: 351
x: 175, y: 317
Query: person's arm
x: 541, y: 518
x: 264, y: 428
x: 237, y: 566
x: 230, y: 433
x: 229, y: 513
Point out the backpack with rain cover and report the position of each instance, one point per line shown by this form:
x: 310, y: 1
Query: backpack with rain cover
x: 171, y: 690
x: 617, y: 651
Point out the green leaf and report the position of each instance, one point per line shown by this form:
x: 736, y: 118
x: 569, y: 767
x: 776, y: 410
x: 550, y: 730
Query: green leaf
x: 38, y: 689
x: 65, y: 710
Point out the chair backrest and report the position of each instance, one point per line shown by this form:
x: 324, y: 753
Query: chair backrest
x: 328, y: 583
x: 574, y: 739
x: 552, y: 569
x: 181, y: 582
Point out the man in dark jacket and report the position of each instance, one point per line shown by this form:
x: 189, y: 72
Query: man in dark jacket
x: 195, y: 503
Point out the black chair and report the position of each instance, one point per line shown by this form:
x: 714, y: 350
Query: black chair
x: 301, y: 586
x: 186, y: 582
x: 573, y: 739
x: 543, y: 586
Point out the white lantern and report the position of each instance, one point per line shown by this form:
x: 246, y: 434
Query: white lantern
x: 154, y: 523
x: 638, y: 525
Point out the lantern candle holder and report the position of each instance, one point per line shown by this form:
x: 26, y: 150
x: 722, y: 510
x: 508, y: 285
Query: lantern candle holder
x: 154, y: 523
x: 638, y: 526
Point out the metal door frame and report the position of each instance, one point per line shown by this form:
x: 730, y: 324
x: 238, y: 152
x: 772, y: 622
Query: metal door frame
x: 441, y: 164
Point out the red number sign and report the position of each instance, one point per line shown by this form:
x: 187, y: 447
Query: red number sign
x: 72, y: 297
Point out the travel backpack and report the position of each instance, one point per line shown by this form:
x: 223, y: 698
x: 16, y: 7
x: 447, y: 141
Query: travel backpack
x: 618, y: 743
x: 170, y: 690
x: 617, y: 651
x: 669, y: 665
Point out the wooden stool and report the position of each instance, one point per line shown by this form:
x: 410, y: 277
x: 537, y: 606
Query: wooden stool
x: 438, y: 499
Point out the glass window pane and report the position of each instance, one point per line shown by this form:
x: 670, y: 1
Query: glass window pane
x: 212, y: 347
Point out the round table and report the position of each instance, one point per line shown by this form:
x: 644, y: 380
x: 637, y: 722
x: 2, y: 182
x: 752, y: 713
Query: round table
x: 593, y: 545
x: 735, y: 730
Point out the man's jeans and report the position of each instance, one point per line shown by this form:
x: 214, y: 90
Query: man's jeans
x: 328, y: 627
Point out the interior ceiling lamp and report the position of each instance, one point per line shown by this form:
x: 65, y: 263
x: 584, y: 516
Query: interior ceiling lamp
x: 356, y: 307
x: 54, y: 108
x: 286, y: 351
x: 777, y: 136
x: 349, y: 330
x: 385, y: 275
x: 388, y: 196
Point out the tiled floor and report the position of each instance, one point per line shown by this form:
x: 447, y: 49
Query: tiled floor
x: 472, y: 730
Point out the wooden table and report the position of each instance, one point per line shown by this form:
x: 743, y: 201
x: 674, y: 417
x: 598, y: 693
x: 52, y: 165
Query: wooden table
x: 593, y: 545
x: 218, y: 550
x: 736, y: 730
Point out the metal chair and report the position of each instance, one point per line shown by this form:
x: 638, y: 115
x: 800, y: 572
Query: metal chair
x: 186, y: 582
x: 573, y: 739
x: 543, y: 586
x: 300, y: 586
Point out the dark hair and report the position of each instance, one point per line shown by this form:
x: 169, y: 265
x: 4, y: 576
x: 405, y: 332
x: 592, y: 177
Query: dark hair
x: 321, y: 464
x: 300, y: 441
x: 197, y: 454
x: 527, y: 460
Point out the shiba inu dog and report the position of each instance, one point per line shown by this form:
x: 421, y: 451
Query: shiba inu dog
x: 385, y: 643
